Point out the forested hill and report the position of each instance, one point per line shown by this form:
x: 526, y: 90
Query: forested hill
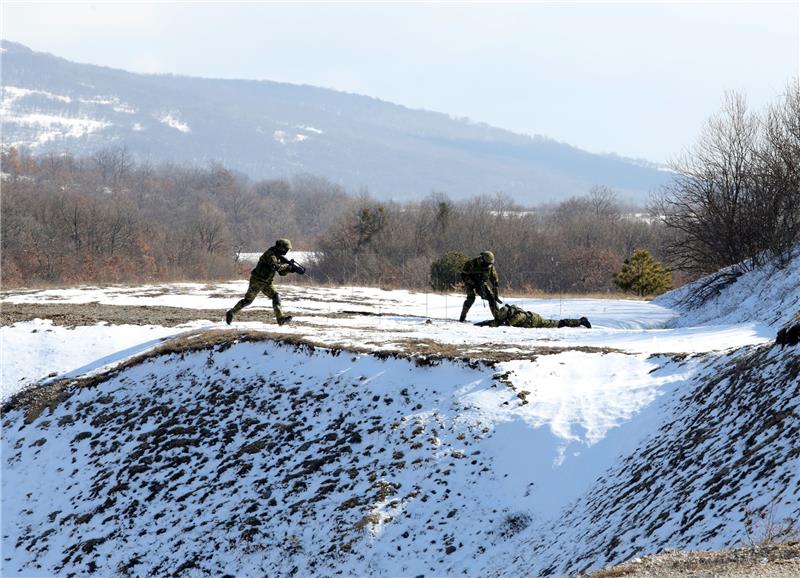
x: 269, y: 129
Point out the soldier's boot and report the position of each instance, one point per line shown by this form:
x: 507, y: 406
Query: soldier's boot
x: 241, y: 304
x: 465, y: 309
x: 276, y: 307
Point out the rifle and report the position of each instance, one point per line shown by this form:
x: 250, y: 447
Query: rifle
x: 294, y: 266
x: 480, y: 283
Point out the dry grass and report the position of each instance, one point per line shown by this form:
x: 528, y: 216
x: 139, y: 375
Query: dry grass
x: 774, y: 561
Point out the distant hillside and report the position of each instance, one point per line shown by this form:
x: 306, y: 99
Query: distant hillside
x: 268, y: 130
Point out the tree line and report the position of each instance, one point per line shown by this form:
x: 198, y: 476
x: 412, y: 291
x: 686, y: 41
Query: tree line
x: 574, y: 246
x: 107, y: 218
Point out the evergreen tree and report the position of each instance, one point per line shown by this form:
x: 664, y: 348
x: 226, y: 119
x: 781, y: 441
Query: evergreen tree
x: 446, y: 271
x: 643, y: 275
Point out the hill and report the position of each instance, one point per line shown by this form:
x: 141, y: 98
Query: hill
x: 271, y: 130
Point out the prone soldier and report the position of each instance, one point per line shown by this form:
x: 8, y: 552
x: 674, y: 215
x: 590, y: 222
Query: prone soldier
x: 513, y: 316
x: 272, y: 261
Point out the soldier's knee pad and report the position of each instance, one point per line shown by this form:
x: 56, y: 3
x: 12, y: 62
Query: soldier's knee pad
x: 276, y: 299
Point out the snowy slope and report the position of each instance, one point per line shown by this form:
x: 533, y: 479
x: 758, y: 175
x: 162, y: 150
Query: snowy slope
x: 725, y: 443
x: 345, y: 463
x: 769, y: 295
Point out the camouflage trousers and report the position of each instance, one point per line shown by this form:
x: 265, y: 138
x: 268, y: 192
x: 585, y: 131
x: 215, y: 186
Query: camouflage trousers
x: 531, y: 320
x: 472, y: 292
x: 260, y: 286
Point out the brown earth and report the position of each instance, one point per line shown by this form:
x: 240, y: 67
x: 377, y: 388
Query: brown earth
x: 773, y: 561
x: 71, y: 314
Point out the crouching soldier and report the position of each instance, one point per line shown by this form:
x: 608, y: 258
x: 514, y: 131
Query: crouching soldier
x: 514, y: 316
x: 480, y: 278
x: 272, y: 261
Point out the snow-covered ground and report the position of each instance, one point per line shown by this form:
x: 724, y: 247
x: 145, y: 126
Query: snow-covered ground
x: 347, y: 317
x: 570, y: 449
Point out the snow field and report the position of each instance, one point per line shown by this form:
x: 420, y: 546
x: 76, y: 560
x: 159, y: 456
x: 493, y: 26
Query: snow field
x: 397, y: 318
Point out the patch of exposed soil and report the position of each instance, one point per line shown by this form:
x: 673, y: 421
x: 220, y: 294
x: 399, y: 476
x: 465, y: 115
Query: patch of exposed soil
x: 71, y: 314
x: 775, y: 561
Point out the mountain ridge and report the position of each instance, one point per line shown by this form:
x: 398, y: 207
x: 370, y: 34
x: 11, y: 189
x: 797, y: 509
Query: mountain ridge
x: 268, y: 129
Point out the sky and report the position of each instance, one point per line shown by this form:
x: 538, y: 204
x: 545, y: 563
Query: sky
x: 634, y: 78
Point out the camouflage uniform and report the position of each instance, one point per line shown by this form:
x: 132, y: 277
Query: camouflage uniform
x: 261, y: 281
x: 514, y: 316
x: 480, y: 278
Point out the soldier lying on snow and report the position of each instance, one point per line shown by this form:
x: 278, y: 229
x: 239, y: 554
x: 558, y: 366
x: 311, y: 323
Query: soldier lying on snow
x: 514, y: 316
x: 272, y: 261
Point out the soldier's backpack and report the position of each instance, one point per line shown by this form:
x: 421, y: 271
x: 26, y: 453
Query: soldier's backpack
x: 513, y: 311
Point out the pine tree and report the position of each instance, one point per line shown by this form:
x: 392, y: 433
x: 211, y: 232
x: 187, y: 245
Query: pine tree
x: 643, y: 275
x: 446, y: 271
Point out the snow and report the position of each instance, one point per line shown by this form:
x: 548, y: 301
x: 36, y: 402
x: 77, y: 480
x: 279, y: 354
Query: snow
x: 42, y: 350
x: 173, y: 121
x: 572, y: 449
x: 769, y: 295
x: 53, y: 127
x: 111, y: 101
x: 310, y: 129
x: 462, y: 411
x: 14, y: 93
x: 630, y: 326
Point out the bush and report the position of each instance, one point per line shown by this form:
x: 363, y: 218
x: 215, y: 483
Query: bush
x: 446, y: 271
x: 643, y: 275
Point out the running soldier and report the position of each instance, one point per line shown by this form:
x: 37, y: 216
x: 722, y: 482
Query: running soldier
x: 272, y: 261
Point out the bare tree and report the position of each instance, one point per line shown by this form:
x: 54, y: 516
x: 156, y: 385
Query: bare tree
x: 708, y: 201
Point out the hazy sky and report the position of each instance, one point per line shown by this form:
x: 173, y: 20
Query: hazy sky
x: 635, y: 78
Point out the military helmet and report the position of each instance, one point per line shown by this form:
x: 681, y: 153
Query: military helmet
x: 503, y: 313
x: 284, y: 245
x: 488, y: 257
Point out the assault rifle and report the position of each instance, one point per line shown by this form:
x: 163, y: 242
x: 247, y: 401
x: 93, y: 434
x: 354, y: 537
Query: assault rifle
x: 294, y: 266
x: 481, y: 286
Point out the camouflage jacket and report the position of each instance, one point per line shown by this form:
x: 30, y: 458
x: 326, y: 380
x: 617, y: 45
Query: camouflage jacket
x: 475, y: 272
x: 514, y: 316
x: 269, y: 264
